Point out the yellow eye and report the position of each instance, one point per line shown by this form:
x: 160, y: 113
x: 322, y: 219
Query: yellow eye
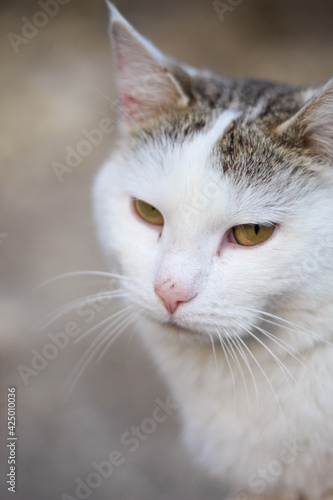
x: 252, y: 234
x: 148, y: 213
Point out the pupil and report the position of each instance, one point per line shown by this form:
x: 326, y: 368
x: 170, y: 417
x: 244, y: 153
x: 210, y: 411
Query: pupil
x: 256, y: 228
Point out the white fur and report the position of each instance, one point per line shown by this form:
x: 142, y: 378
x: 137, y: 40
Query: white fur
x: 247, y: 401
x: 233, y: 438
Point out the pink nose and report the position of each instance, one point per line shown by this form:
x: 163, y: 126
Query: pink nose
x: 172, y: 295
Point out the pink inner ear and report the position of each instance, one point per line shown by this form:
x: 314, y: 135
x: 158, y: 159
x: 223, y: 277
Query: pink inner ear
x: 120, y: 59
x: 145, y: 86
x: 130, y: 105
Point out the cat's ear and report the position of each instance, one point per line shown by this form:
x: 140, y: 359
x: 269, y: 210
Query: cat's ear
x: 312, y: 127
x: 148, y: 84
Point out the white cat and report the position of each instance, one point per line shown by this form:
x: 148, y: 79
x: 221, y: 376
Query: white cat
x: 216, y: 207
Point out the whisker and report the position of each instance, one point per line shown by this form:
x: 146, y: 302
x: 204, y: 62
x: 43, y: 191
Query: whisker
x: 280, y: 364
x: 296, y: 328
x: 123, y: 325
x: 230, y: 341
x: 239, y: 340
x: 281, y: 343
x: 88, y: 299
x: 265, y: 375
x: 305, y: 332
x: 79, y: 273
x: 129, y: 340
x: 89, y: 354
x: 115, y: 333
x: 115, y: 315
x: 224, y: 348
x: 277, y: 360
x: 289, y: 372
x: 227, y: 346
x: 213, y: 349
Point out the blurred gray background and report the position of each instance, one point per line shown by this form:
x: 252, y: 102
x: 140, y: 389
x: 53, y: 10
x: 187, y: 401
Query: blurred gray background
x: 52, y: 87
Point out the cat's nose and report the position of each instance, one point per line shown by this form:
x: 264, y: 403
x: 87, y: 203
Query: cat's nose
x: 172, y: 295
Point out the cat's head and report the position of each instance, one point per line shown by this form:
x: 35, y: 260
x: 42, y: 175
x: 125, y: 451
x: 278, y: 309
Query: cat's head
x: 217, y: 202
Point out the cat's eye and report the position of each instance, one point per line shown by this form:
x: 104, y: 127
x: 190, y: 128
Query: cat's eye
x: 252, y: 234
x: 148, y: 213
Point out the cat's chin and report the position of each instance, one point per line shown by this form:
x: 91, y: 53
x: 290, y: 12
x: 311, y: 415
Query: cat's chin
x: 182, y: 334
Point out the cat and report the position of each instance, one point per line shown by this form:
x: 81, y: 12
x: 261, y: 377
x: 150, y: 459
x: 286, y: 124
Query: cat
x: 215, y: 209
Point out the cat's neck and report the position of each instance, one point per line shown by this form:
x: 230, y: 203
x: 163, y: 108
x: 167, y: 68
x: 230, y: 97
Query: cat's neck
x: 284, y: 345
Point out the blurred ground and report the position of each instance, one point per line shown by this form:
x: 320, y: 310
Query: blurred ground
x: 51, y: 88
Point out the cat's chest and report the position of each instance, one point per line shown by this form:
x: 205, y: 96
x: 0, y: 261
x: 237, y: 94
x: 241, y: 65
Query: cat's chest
x: 240, y: 418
